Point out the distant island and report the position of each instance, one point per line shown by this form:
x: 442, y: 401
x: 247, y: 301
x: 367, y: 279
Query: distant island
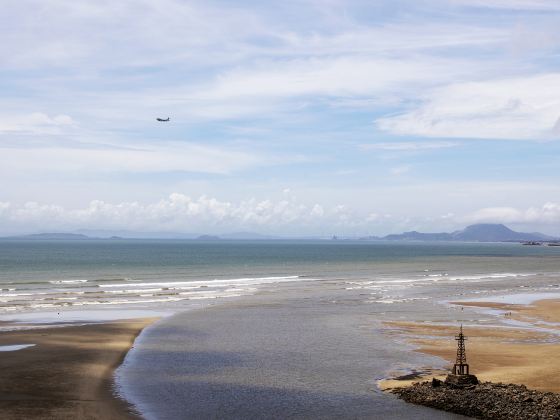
x: 53, y: 236
x: 208, y: 238
x: 98, y: 235
x: 483, y: 232
x: 58, y: 236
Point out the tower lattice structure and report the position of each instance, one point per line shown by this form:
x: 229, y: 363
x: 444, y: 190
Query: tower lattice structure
x: 461, y: 367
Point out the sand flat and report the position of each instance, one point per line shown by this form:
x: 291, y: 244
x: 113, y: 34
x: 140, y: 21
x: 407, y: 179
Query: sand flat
x: 68, y: 374
x: 541, y: 311
x: 497, y: 354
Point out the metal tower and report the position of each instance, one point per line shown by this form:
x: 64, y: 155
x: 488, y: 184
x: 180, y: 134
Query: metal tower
x: 461, y: 366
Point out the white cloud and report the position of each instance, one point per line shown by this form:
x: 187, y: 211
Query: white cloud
x: 496, y: 215
x: 549, y: 213
x: 4, y: 208
x: 317, y: 211
x: 526, y: 108
x: 373, y: 217
x: 400, y: 170
x: 177, y: 213
x: 35, y: 123
x: 181, y: 213
x: 245, y: 61
x: 141, y: 158
x: 535, y: 5
x: 391, y: 39
x: 410, y: 146
x: 105, y: 34
x: 353, y: 75
x: 143, y: 32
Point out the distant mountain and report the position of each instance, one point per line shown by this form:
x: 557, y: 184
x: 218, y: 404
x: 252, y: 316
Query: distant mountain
x: 418, y: 236
x: 208, y: 238
x: 483, y: 232
x: 128, y: 234
x: 109, y: 234
x: 54, y: 236
x: 496, y: 233
x: 246, y: 235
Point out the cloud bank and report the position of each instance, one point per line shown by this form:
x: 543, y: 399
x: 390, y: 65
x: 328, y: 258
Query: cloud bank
x: 526, y: 108
x: 177, y: 213
x: 549, y: 213
x: 180, y: 213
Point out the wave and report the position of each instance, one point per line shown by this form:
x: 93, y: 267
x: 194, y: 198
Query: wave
x: 445, y: 276
x: 215, y: 282
x: 130, y: 293
x: 79, y: 281
x: 141, y: 299
x: 384, y: 282
x: 490, y: 276
x: 65, y: 281
x: 399, y: 281
x: 8, y: 295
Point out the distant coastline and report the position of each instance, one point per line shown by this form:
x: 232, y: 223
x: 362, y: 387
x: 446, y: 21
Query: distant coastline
x: 484, y: 232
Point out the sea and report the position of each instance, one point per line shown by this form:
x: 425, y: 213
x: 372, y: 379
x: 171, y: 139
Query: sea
x: 65, y: 275
x: 265, y: 323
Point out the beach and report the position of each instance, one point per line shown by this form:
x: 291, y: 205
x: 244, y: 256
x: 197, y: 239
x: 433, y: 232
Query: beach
x: 523, y: 350
x: 263, y: 355
x: 256, y: 329
x: 67, y: 373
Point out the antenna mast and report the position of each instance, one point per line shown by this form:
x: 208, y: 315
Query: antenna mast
x: 461, y: 367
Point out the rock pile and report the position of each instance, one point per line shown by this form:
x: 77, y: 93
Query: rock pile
x: 485, y: 400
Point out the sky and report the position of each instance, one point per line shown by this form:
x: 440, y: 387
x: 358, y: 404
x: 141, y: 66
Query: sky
x: 317, y: 117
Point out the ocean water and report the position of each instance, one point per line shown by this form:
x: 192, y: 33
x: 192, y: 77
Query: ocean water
x: 68, y: 275
x: 279, y: 329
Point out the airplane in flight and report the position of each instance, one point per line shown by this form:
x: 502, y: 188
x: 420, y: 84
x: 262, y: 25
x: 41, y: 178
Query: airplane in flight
x: 163, y: 120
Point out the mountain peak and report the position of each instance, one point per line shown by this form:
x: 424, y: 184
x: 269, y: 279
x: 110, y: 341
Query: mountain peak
x: 488, y: 226
x: 480, y: 232
x: 490, y: 232
x: 53, y: 236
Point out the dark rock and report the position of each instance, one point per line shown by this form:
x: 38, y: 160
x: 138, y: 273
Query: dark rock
x: 483, y: 400
x: 461, y: 380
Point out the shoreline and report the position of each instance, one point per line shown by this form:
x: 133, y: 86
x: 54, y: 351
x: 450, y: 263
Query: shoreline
x: 68, y: 372
x: 521, y: 349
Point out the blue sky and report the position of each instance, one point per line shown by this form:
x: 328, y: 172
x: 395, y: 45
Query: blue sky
x: 296, y: 117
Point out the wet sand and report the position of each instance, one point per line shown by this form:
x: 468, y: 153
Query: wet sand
x: 503, y: 353
x: 68, y: 374
x: 539, y: 313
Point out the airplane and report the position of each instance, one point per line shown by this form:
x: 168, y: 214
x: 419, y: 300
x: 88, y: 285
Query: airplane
x: 162, y: 120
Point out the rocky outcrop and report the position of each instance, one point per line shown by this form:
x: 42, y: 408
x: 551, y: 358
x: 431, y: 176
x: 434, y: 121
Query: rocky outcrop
x: 458, y: 381
x: 484, y: 401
